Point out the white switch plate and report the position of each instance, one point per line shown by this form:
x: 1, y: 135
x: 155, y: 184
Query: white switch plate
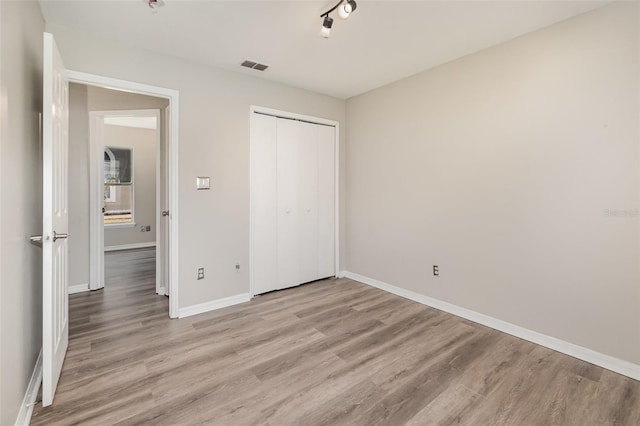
x: 203, y: 182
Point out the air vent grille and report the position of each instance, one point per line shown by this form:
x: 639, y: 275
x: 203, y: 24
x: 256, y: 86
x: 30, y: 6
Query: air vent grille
x: 254, y: 65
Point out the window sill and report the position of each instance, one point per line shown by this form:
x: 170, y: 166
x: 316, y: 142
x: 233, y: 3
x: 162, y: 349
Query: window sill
x: 119, y: 225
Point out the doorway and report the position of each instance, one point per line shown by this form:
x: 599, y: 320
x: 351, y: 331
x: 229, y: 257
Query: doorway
x: 128, y: 150
x: 106, y: 122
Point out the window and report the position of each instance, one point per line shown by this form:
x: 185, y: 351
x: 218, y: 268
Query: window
x: 118, y: 186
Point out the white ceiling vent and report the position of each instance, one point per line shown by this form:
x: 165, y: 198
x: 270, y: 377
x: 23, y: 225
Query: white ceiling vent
x: 254, y: 65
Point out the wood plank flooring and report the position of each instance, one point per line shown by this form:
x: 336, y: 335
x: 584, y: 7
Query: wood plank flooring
x: 335, y: 352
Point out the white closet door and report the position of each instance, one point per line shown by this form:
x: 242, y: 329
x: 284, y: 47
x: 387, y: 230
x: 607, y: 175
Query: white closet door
x: 293, y: 205
x: 307, y: 194
x: 288, y: 171
x: 326, y: 201
x: 264, y: 198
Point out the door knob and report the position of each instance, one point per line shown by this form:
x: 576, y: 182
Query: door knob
x: 36, y: 240
x: 165, y: 212
x: 57, y: 236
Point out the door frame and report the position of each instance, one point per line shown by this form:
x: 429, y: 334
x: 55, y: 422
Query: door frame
x: 96, y: 153
x: 96, y: 248
x: 253, y: 109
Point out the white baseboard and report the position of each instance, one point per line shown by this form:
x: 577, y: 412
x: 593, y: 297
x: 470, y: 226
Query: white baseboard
x: 78, y: 288
x: 130, y: 246
x: 29, y: 400
x: 342, y: 274
x: 213, y: 305
x: 617, y: 365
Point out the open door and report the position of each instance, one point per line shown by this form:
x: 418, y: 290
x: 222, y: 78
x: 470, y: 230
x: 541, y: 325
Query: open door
x: 55, y: 142
x: 162, y: 207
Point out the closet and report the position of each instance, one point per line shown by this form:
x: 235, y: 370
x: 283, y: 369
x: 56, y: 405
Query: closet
x: 292, y: 202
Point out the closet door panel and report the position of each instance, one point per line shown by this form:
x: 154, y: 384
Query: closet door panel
x: 326, y: 201
x: 288, y: 216
x: 307, y: 194
x: 264, y: 190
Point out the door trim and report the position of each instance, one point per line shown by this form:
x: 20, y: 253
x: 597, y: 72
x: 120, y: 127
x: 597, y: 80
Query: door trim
x: 253, y: 110
x: 172, y: 153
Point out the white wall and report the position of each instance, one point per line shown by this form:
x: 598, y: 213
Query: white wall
x: 144, y: 143
x: 500, y: 168
x: 214, y: 141
x: 21, y: 27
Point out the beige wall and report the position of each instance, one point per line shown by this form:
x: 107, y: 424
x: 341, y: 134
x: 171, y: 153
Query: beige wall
x: 501, y: 168
x: 21, y: 27
x: 144, y: 143
x: 100, y: 99
x: 214, y: 141
x: 78, y: 185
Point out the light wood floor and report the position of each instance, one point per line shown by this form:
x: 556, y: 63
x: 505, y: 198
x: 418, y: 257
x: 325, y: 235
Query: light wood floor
x: 332, y: 352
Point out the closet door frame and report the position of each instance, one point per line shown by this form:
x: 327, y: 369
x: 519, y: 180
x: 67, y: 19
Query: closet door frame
x: 253, y: 110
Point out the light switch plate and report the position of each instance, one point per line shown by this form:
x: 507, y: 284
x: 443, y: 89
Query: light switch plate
x: 203, y: 182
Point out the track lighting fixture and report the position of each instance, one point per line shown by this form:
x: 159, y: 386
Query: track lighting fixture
x: 326, y: 26
x: 345, y: 8
x: 154, y: 4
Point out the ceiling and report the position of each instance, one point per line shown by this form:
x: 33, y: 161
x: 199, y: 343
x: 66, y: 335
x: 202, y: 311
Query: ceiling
x: 383, y: 41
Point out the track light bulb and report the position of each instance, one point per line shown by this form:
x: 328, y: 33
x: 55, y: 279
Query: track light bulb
x: 326, y: 26
x: 345, y: 9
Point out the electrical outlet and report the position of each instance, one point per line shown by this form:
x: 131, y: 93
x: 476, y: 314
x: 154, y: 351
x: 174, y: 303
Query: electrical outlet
x: 148, y: 228
x: 143, y: 228
x: 201, y: 273
x: 237, y: 267
x: 436, y: 271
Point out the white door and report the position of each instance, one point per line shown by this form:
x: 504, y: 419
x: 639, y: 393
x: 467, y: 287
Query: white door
x: 307, y: 202
x: 162, y: 207
x: 264, y: 190
x: 326, y: 201
x: 55, y: 141
x: 288, y: 169
x: 292, y: 202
